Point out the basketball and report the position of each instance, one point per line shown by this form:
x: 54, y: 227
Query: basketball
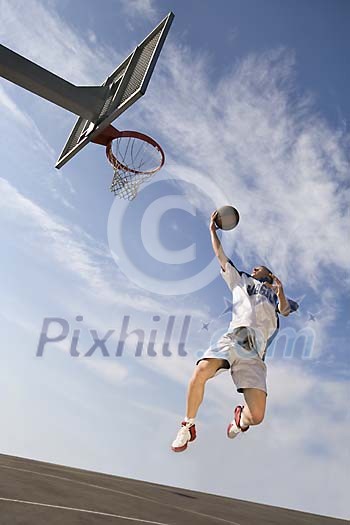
x: 227, y: 218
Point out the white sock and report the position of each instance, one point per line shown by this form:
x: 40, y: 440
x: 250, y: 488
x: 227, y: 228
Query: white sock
x: 189, y: 420
x: 243, y: 422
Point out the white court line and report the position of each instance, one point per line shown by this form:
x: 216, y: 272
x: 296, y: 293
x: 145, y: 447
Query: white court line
x: 139, y: 520
x: 197, y: 513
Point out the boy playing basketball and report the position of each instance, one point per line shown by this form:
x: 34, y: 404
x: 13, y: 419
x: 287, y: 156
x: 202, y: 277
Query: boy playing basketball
x: 256, y: 301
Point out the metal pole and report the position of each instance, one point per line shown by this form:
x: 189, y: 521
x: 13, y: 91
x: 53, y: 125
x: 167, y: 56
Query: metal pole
x: 85, y: 101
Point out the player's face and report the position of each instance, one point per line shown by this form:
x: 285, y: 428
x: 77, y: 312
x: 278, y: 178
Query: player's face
x: 259, y: 272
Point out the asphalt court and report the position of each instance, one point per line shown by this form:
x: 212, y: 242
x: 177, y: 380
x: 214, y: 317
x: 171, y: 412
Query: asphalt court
x: 38, y: 493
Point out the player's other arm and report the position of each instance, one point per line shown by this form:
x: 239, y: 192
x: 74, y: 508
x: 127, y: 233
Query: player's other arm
x: 283, y: 303
x: 217, y: 247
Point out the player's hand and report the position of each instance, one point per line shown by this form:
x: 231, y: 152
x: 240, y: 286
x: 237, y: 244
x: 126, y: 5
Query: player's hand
x: 277, y: 286
x: 212, y: 226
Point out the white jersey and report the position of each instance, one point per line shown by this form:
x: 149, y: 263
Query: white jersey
x: 253, y: 303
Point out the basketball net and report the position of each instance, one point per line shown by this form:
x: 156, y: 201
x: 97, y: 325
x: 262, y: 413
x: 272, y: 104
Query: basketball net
x: 135, y: 158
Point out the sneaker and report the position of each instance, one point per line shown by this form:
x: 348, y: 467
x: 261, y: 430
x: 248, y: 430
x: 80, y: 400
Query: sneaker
x: 186, y: 434
x: 234, y: 427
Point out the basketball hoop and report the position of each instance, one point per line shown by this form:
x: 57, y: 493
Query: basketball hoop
x: 135, y: 157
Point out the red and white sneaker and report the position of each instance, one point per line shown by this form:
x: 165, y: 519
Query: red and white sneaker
x: 234, y: 427
x: 185, y: 435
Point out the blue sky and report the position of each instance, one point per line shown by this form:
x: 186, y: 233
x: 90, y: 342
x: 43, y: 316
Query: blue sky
x: 249, y: 100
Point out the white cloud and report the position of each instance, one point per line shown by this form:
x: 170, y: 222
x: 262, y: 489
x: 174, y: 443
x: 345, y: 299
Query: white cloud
x: 77, y: 253
x: 25, y: 124
x: 263, y: 147
x: 9, y: 106
x: 174, y: 368
x: 139, y: 9
x: 58, y: 47
x: 108, y: 370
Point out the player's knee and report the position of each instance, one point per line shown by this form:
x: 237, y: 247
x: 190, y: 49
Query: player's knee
x: 204, y: 370
x: 257, y: 416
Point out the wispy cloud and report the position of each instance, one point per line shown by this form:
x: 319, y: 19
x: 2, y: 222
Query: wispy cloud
x: 139, y: 9
x: 77, y: 253
x: 10, y: 106
x: 26, y: 125
x: 266, y: 149
x: 111, y: 372
x: 37, y: 31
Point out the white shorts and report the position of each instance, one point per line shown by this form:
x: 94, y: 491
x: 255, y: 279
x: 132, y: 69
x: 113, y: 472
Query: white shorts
x: 240, y: 349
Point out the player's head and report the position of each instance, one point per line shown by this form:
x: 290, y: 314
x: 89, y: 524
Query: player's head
x: 262, y: 273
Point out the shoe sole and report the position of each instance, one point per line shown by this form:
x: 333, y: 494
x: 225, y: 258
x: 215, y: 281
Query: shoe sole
x: 179, y: 449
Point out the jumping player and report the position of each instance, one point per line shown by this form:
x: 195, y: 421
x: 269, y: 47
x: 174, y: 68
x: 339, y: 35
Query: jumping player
x: 257, y: 299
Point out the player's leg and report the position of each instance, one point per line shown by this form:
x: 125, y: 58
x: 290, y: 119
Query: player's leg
x: 204, y: 370
x: 249, y: 375
x: 254, y: 408
x: 251, y: 414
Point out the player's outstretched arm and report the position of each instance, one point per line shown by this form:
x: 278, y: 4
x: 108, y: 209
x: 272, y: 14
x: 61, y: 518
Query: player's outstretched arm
x: 217, y: 247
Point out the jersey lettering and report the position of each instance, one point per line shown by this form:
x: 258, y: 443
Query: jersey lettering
x: 260, y: 289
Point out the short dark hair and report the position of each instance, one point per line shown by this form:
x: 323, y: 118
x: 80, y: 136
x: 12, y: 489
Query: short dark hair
x: 269, y: 279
